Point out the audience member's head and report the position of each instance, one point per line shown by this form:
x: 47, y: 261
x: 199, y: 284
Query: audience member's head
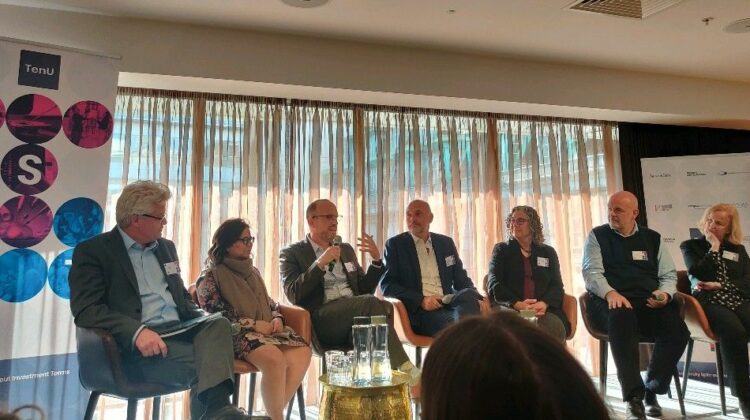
x: 722, y: 220
x: 502, y: 366
x: 226, y: 235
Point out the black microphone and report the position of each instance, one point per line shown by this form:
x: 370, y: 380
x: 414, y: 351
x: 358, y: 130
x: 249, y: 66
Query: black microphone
x: 336, y: 242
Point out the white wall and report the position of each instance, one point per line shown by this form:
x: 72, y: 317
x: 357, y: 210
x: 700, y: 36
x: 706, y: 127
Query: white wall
x: 178, y: 56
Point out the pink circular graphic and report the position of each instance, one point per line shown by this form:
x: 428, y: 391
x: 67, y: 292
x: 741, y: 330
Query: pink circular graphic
x: 88, y: 124
x: 29, y: 169
x: 2, y: 113
x: 34, y: 118
x: 24, y: 221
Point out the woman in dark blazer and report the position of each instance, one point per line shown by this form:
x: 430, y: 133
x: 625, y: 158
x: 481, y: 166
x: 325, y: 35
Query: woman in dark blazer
x: 525, y: 273
x: 719, y: 270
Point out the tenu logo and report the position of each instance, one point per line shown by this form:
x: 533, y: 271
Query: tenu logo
x: 691, y: 173
x: 38, y: 69
x: 662, y: 207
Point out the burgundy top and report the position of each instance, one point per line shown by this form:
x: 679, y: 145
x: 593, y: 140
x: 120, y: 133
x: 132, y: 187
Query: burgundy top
x: 528, y: 279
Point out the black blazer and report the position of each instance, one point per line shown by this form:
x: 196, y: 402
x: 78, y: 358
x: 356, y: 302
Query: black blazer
x: 701, y: 267
x: 104, y: 290
x: 403, y: 277
x: 303, y: 280
x: 505, y: 278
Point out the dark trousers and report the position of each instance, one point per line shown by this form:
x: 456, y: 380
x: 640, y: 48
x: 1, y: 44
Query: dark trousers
x: 464, y: 303
x: 333, y: 324
x: 732, y: 328
x: 202, y: 357
x: 625, y: 328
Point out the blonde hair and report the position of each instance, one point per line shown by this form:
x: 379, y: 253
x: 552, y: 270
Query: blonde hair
x: 735, y: 230
x: 139, y: 197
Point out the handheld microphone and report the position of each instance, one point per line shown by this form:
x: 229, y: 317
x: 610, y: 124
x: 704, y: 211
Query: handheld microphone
x: 336, y: 242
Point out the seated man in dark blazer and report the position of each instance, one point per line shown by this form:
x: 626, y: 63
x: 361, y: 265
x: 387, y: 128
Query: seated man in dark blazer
x: 423, y: 270
x: 323, y: 276
x: 127, y: 281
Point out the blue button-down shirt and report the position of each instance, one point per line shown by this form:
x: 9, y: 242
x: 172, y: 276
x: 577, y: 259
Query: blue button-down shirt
x: 593, y: 267
x: 158, y: 306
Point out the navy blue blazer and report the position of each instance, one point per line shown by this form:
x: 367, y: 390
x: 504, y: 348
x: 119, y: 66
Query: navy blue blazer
x: 403, y: 277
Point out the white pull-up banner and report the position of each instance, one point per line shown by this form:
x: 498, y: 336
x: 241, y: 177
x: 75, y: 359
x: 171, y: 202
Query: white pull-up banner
x: 56, y: 122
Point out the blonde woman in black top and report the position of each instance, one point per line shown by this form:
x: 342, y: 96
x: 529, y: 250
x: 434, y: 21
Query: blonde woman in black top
x: 719, y: 270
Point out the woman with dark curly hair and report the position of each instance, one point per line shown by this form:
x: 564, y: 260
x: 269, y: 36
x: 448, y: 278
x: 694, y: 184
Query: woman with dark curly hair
x: 502, y: 367
x: 524, y: 273
x: 232, y: 285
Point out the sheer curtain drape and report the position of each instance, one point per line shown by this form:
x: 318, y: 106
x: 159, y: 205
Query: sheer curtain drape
x: 265, y: 159
x: 474, y: 169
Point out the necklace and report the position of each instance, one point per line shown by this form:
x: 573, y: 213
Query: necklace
x: 526, y: 250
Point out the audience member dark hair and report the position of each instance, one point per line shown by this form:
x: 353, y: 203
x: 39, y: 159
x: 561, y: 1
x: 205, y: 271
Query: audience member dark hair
x: 502, y: 366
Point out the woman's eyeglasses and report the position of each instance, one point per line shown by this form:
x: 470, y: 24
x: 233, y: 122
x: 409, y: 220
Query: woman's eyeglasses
x: 518, y: 222
x: 247, y: 240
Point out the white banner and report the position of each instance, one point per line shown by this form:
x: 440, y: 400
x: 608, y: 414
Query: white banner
x: 677, y: 191
x: 56, y: 122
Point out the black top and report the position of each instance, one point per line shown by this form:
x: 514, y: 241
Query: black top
x: 702, y: 267
x: 506, y: 273
x: 631, y: 264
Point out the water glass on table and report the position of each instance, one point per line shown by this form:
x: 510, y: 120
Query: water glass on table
x: 339, y: 367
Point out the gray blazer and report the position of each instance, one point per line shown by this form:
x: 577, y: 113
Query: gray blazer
x: 104, y: 291
x: 302, y: 279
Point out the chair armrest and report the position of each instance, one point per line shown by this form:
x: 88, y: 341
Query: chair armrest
x: 695, y: 319
x: 570, y: 307
x: 297, y: 318
x: 403, y: 327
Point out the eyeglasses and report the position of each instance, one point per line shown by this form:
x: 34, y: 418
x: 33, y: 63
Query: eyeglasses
x: 161, y: 219
x: 518, y: 222
x: 330, y: 217
x: 247, y: 240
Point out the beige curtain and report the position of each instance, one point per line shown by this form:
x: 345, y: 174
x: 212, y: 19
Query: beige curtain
x: 266, y: 159
x: 473, y: 169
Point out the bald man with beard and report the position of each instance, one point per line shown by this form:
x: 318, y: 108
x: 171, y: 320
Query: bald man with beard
x: 630, y: 277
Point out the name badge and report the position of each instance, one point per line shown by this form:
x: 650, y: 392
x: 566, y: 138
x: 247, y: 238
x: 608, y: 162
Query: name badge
x: 172, y: 268
x: 450, y: 260
x: 350, y: 267
x: 729, y: 255
x: 542, y: 262
x: 640, y: 256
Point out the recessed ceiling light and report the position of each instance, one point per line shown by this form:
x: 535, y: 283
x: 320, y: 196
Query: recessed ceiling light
x: 451, y: 11
x: 305, y: 3
x: 738, y: 27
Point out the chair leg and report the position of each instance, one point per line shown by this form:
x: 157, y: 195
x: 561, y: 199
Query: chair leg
x: 418, y: 351
x: 236, y: 392
x: 132, y: 408
x: 300, y: 404
x: 720, y: 379
x: 603, y: 347
x: 251, y: 397
x: 678, y: 389
x: 91, y: 406
x: 156, y: 407
x: 686, y: 369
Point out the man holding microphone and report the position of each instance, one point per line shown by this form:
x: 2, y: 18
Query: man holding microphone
x: 322, y: 275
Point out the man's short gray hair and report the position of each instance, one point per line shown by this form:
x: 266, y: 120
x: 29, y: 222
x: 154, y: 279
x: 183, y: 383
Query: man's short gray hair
x: 139, y: 197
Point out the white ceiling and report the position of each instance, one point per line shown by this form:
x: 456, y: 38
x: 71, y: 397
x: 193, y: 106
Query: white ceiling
x: 674, y: 41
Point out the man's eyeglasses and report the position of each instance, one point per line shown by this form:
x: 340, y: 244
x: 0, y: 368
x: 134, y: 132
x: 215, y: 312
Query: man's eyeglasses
x: 247, y: 240
x: 161, y: 219
x: 330, y: 217
x: 518, y: 222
